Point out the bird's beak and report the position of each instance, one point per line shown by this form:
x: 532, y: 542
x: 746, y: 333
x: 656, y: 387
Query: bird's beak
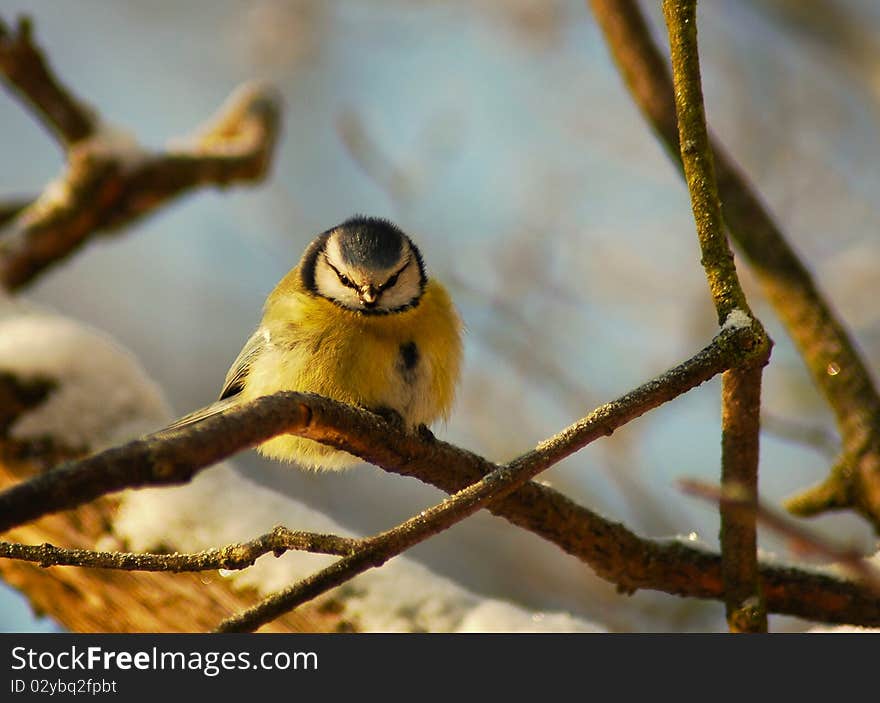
x: 368, y: 296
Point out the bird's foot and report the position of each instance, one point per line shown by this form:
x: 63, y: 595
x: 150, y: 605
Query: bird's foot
x: 391, y: 416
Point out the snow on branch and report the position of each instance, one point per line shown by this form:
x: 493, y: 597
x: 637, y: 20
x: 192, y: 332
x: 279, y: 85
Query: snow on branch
x: 109, y: 179
x: 28, y: 73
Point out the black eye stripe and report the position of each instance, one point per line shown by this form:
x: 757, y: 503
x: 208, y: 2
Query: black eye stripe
x: 343, y: 279
x: 393, y: 278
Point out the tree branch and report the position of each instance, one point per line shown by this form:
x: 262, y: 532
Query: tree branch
x: 825, y: 345
x: 741, y: 385
x: 615, y: 553
x: 740, y: 433
x: 175, y: 456
x: 375, y: 551
x: 27, y: 73
x: 697, y: 159
x: 230, y: 557
x: 110, y: 180
x: 112, y: 600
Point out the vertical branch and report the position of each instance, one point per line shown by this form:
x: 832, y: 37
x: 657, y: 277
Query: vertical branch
x: 741, y: 385
x: 696, y: 156
x: 826, y: 347
x: 740, y: 430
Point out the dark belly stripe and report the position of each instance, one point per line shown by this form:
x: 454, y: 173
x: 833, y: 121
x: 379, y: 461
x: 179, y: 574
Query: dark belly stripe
x: 409, y: 356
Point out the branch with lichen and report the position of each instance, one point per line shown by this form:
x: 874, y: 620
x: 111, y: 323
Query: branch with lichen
x: 741, y: 385
x: 831, y: 357
x: 230, y: 557
x: 109, y: 179
x: 176, y: 455
x: 615, y: 553
x: 375, y: 551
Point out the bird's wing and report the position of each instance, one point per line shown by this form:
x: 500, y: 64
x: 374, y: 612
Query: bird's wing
x: 234, y: 381
x: 214, y: 408
x: 232, y: 385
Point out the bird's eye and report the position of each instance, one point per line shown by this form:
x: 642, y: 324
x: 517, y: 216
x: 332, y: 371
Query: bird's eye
x: 393, y: 278
x: 391, y: 281
x: 343, y: 279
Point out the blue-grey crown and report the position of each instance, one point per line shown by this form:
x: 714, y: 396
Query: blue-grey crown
x: 370, y: 242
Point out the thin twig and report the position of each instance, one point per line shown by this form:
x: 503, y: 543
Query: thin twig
x: 804, y: 540
x: 741, y: 385
x: 230, y: 557
x: 396, y: 181
x: 377, y: 550
x: 826, y: 346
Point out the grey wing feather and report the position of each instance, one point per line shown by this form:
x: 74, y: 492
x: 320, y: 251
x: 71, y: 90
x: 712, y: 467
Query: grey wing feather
x: 233, y: 383
x: 214, y: 408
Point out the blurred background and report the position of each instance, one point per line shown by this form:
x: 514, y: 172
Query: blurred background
x: 499, y: 135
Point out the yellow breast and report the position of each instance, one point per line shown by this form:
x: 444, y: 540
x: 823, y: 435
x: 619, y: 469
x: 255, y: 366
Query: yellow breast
x: 407, y: 361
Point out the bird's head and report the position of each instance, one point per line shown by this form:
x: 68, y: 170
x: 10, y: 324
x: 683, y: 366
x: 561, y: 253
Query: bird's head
x: 365, y: 264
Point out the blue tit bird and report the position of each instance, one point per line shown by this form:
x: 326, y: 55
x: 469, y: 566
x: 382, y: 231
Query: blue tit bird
x: 357, y: 320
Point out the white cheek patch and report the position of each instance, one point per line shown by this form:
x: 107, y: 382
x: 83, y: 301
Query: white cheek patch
x: 327, y: 283
x: 333, y: 252
x: 405, y: 291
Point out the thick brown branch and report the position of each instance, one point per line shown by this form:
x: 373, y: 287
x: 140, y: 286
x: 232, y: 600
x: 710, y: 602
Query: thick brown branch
x: 230, y: 557
x: 827, y: 349
x: 741, y: 385
x: 498, y: 482
x: 169, y: 458
x: 175, y: 456
x: 740, y: 432
x: 111, y: 181
x: 614, y: 552
x: 25, y: 71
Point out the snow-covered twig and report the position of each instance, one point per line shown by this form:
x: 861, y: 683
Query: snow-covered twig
x: 110, y: 179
